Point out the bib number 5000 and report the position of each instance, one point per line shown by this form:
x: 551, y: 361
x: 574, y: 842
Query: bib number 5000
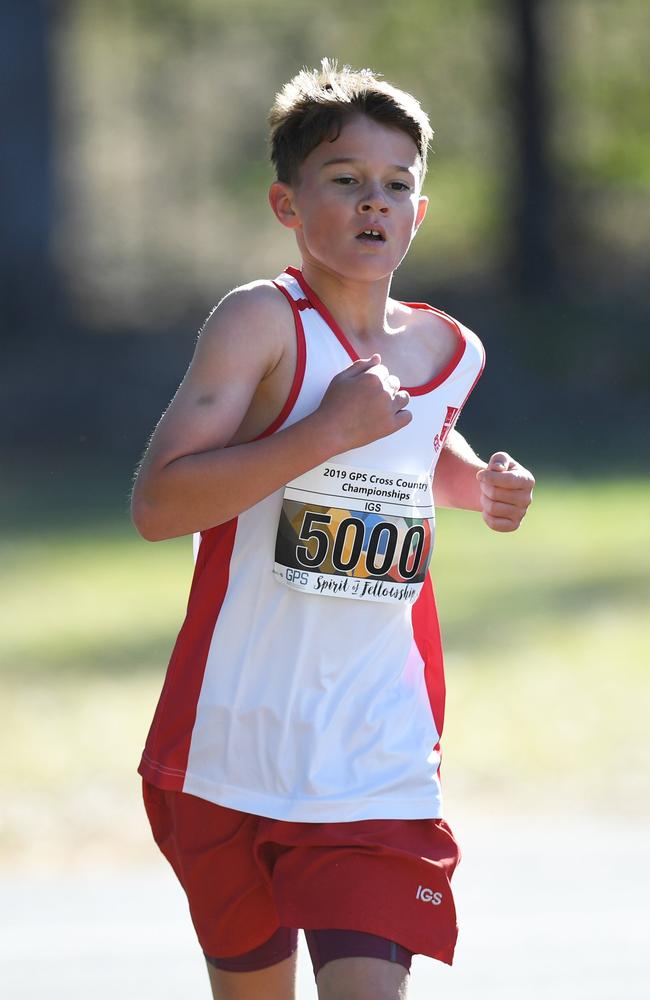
x: 349, y: 539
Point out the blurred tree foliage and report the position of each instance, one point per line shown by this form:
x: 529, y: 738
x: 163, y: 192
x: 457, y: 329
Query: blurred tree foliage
x: 156, y: 110
x: 164, y: 174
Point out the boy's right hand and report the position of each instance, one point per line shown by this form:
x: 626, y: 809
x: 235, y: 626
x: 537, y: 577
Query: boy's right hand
x: 364, y: 403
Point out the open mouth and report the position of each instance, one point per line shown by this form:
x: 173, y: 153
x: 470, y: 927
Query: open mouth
x: 372, y: 236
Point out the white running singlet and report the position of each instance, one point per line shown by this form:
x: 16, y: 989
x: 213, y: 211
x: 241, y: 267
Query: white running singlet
x: 307, y: 681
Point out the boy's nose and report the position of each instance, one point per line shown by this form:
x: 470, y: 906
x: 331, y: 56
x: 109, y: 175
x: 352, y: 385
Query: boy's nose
x: 374, y: 201
x: 369, y: 206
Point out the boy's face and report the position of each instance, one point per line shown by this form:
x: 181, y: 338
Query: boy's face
x: 368, y: 179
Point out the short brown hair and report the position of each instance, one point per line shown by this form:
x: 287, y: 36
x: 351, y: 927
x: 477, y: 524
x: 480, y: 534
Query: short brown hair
x: 315, y: 104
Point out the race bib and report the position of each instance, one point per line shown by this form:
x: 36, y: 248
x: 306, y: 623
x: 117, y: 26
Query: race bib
x: 356, y: 533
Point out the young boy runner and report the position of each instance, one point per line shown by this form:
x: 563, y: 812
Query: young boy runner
x: 291, y: 770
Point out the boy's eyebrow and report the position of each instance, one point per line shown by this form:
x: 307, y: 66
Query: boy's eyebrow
x: 354, y: 159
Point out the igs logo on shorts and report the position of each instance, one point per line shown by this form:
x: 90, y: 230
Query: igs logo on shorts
x: 426, y: 895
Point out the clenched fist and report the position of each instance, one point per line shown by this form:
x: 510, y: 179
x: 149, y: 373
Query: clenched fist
x: 364, y: 402
x: 506, y: 492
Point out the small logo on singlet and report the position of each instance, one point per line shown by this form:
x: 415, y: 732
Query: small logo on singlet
x: 448, y: 423
x: 426, y: 895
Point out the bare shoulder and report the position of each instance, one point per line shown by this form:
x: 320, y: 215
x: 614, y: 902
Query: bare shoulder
x: 253, y: 319
x: 241, y: 347
x: 429, y: 322
x: 429, y: 332
x: 256, y: 297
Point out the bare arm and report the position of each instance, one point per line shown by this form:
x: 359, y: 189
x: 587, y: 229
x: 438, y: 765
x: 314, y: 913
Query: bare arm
x: 455, y: 483
x: 502, y: 490
x: 189, y: 480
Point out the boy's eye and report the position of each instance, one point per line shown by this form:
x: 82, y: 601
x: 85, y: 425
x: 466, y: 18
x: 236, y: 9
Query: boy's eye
x: 344, y: 180
x: 399, y: 186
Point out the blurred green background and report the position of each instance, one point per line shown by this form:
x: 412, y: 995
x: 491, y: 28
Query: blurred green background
x: 133, y: 195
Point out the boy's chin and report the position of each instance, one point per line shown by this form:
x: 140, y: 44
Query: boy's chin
x: 360, y: 269
x: 372, y: 270
x: 375, y: 266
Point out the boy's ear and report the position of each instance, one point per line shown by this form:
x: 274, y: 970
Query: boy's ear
x: 281, y: 201
x: 423, y: 204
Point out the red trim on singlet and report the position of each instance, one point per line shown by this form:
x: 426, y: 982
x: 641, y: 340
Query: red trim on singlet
x: 456, y: 358
x: 426, y: 632
x: 301, y: 361
x: 164, y: 760
x: 473, y: 385
x: 418, y: 390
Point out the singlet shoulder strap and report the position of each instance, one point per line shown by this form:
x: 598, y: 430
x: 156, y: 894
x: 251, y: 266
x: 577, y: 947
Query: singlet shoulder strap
x: 288, y: 283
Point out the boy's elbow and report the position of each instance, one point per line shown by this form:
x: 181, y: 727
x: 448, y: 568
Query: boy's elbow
x: 145, y: 520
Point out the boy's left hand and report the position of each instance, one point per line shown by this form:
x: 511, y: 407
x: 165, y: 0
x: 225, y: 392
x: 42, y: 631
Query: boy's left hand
x: 506, y: 492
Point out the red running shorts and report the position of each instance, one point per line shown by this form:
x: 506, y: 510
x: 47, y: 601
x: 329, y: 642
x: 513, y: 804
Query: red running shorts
x: 245, y: 876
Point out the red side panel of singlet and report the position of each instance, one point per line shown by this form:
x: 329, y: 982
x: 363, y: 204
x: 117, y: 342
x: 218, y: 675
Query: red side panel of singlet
x: 164, y: 760
x: 426, y: 632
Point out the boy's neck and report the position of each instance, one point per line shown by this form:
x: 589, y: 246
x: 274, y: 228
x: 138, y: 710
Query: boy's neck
x: 359, y: 307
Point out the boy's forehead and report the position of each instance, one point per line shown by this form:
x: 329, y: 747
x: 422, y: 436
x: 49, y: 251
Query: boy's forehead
x: 361, y: 138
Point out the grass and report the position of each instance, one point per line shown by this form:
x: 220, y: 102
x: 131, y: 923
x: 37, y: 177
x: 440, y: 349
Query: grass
x: 545, y: 635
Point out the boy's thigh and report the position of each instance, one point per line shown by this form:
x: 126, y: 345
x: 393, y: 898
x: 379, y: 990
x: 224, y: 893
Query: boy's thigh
x: 277, y: 982
x: 362, y: 979
x: 359, y: 977
x: 353, y: 965
x: 211, y: 849
x: 249, y: 880
x: 388, y: 878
